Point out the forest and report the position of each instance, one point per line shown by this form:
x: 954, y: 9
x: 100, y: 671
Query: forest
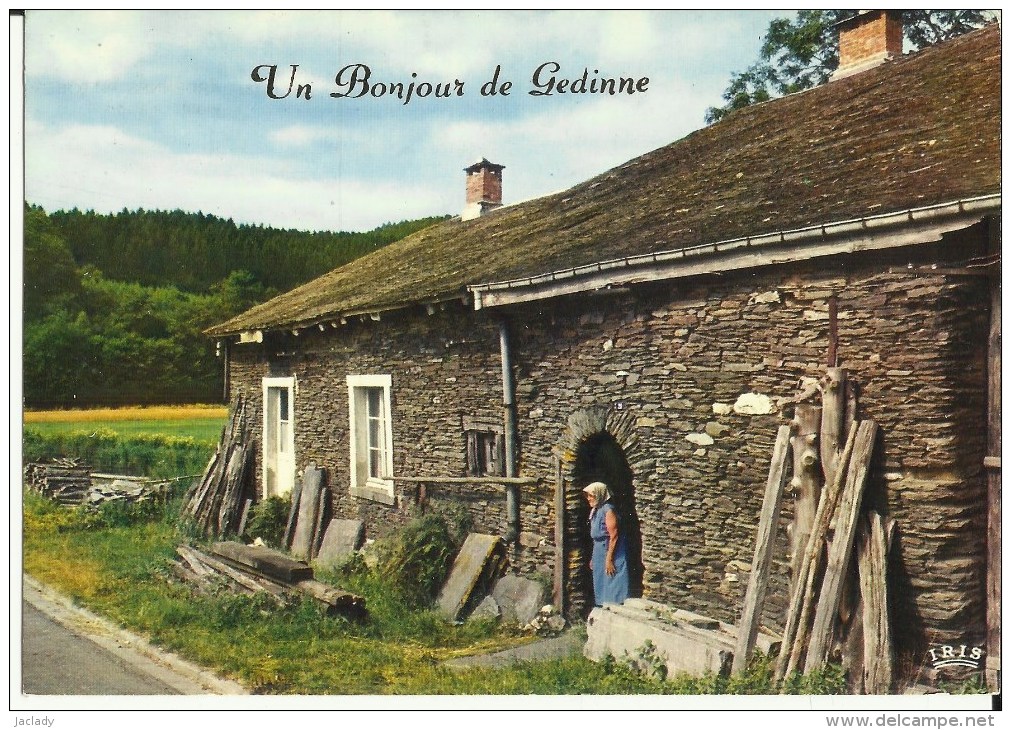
x: 115, y: 305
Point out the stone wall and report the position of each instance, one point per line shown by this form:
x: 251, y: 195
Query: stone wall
x: 444, y: 367
x: 662, y: 367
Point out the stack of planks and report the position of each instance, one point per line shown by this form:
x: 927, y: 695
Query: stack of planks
x: 250, y: 569
x: 65, y: 481
x: 829, y: 477
x: 218, y: 503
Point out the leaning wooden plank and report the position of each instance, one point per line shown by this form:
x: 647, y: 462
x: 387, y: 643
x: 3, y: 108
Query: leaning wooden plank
x: 794, y: 635
x: 302, y: 539
x: 322, y: 510
x: 289, y: 530
x: 466, y: 572
x: 872, y: 564
x: 264, y: 561
x: 754, y: 598
x: 845, y: 526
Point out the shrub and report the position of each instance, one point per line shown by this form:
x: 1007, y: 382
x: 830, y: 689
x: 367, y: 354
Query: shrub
x: 268, y: 520
x: 417, y: 557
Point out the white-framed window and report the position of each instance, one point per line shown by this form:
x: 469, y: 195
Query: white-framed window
x: 371, y: 430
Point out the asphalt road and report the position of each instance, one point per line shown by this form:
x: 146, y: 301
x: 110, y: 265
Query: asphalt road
x: 55, y: 661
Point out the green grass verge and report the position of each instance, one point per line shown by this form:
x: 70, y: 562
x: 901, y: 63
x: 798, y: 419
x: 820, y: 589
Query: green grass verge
x: 117, y: 564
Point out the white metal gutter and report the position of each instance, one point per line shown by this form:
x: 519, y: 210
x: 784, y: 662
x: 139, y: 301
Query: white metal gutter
x: 923, y: 225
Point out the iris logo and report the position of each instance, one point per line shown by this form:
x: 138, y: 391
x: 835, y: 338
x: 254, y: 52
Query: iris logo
x: 946, y: 655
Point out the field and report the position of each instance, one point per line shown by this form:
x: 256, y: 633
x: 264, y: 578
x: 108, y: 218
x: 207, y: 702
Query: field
x: 202, y: 423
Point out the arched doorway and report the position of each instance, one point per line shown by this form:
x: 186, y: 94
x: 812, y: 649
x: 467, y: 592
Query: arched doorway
x: 599, y: 458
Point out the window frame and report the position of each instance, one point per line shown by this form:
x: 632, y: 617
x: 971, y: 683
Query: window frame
x: 477, y: 433
x: 362, y: 482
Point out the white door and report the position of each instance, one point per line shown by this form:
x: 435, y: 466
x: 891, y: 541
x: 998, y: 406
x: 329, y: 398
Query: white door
x: 278, y: 436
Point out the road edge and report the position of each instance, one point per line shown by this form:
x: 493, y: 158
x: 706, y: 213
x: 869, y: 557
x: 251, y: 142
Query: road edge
x: 183, y: 676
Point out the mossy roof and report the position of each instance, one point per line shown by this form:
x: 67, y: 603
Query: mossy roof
x: 916, y: 131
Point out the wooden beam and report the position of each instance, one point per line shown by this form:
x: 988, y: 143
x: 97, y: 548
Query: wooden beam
x: 754, y: 598
x: 872, y: 565
x: 833, y: 412
x: 841, y: 548
x: 993, y: 477
x: 465, y: 480
x: 559, y: 572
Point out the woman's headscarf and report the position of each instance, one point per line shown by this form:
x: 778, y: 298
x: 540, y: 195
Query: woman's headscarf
x: 598, y: 490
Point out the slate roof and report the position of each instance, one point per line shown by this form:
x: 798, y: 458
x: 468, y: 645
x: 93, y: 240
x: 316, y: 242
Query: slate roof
x: 920, y: 130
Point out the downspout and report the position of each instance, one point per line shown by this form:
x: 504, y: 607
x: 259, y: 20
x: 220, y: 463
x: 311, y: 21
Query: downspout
x: 509, y: 422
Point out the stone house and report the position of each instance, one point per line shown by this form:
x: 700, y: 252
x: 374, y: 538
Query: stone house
x: 652, y: 327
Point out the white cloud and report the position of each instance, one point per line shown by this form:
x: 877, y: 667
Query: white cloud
x: 97, y: 45
x: 101, y: 168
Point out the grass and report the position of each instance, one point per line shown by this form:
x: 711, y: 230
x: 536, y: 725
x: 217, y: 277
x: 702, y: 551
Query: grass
x: 203, y: 423
x: 117, y: 564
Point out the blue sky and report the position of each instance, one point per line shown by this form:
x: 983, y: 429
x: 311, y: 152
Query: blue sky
x: 157, y: 109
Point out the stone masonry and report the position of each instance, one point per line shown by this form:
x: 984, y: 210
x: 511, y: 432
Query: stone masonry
x: 665, y: 367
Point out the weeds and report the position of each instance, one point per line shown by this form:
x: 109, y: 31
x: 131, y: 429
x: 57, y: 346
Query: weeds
x: 268, y: 520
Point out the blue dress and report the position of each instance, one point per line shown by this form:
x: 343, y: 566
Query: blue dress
x: 607, y: 588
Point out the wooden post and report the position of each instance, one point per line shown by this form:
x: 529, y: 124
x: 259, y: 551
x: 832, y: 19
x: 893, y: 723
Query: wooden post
x: 845, y: 526
x: 806, y: 482
x: 872, y: 565
x: 993, y: 474
x: 559, y: 576
x: 747, y: 630
x: 833, y: 412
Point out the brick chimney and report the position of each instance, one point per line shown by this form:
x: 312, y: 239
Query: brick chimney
x: 869, y: 38
x: 484, y: 188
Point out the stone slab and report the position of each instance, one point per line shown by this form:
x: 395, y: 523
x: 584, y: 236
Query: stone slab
x: 519, y: 598
x: 466, y: 572
x: 341, y: 539
x: 679, y: 637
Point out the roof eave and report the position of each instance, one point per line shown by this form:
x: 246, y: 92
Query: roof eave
x: 903, y: 228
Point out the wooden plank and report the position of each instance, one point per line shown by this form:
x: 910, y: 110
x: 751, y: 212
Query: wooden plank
x: 305, y: 524
x: 801, y: 596
x: 806, y: 481
x: 322, y: 510
x: 269, y: 563
x: 558, y: 592
x: 465, y: 480
x: 754, y: 598
x: 993, y: 479
x: 872, y: 566
x: 289, y: 530
x: 841, y: 549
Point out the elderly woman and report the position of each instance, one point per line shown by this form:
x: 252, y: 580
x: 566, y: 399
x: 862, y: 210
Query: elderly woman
x: 608, y: 564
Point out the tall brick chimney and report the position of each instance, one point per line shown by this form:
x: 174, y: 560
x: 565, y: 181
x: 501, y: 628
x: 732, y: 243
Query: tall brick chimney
x: 484, y: 188
x: 869, y: 38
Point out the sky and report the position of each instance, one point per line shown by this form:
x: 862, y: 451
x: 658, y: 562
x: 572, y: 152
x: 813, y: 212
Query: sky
x: 160, y: 110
